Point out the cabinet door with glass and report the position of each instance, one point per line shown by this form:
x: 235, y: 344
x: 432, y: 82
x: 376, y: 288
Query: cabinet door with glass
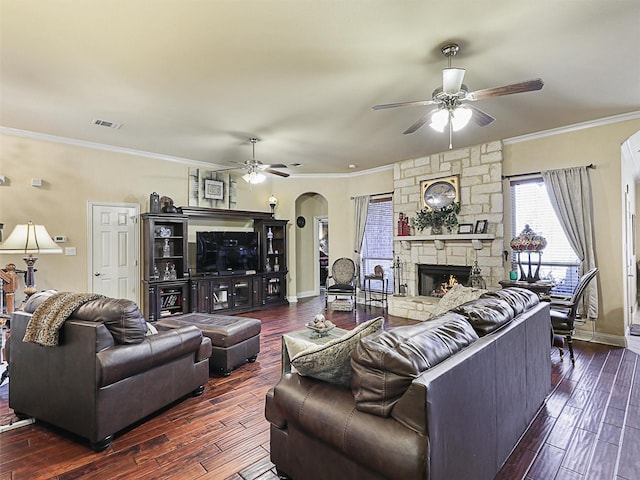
x: 273, y: 244
x: 165, y: 246
x: 273, y: 288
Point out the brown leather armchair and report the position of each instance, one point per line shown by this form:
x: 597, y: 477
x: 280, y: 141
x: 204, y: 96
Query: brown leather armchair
x: 105, y: 374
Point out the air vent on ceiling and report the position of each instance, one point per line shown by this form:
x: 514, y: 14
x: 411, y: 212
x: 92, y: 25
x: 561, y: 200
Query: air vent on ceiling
x: 106, y: 123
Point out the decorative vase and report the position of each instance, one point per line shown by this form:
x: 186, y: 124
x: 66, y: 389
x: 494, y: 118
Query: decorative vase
x: 270, y: 238
x: 166, y: 249
x: 436, y: 230
x: 154, y: 203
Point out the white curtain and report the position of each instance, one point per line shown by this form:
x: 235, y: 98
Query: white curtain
x: 570, y: 194
x: 360, y: 221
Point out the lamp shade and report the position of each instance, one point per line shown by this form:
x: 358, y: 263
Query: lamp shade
x: 253, y: 177
x: 452, y: 80
x: 439, y: 120
x: 460, y: 118
x: 28, y: 239
x: 528, y: 241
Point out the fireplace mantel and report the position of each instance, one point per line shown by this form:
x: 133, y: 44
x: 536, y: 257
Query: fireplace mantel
x: 439, y: 241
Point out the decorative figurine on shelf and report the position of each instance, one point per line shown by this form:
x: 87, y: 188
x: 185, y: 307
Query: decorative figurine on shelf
x: 267, y: 266
x: 167, y: 274
x: 529, y: 242
x: 403, y: 225
x: 154, y: 203
x: 173, y: 275
x: 156, y: 273
x: 166, y: 249
x: 276, y: 266
x: 270, y: 238
x: 167, y: 205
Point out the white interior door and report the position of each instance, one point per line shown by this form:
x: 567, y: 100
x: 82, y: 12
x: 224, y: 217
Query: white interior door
x: 113, y: 265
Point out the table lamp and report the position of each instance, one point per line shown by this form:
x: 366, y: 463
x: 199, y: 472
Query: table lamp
x: 529, y: 242
x: 29, y: 239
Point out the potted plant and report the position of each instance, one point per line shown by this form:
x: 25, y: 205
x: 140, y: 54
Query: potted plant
x: 437, y: 218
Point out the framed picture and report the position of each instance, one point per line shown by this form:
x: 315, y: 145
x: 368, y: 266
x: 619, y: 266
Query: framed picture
x: 481, y: 226
x: 213, y: 190
x: 465, y: 228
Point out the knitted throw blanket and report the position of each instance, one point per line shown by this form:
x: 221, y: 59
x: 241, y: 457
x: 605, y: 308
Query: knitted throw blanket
x: 45, y: 323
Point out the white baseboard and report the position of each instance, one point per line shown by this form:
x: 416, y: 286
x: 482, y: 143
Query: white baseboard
x: 308, y: 294
x: 605, y: 338
x: 18, y: 424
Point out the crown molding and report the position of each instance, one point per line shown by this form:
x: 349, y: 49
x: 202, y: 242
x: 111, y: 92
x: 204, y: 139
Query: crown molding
x: 101, y: 146
x: 573, y: 128
x: 157, y: 156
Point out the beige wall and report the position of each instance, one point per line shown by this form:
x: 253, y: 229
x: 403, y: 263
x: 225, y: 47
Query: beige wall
x: 600, y: 146
x: 74, y: 175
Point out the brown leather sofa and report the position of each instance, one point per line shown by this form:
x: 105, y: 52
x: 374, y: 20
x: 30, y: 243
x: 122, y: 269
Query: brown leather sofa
x: 105, y: 373
x: 436, y: 400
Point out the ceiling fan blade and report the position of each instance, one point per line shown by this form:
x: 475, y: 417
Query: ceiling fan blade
x: 276, y: 165
x: 276, y: 172
x: 417, y: 103
x: 452, y: 80
x: 527, y: 86
x: 420, y: 122
x: 479, y: 117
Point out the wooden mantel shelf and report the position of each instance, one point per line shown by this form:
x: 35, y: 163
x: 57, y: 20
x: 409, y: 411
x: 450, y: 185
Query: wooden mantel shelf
x: 439, y: 241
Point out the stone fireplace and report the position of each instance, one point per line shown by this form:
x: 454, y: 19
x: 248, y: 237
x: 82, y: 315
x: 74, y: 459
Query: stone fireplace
x: 481, y: 198
x: 436, y: 280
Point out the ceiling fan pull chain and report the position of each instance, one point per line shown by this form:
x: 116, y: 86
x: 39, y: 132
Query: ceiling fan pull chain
x: 450, y: 132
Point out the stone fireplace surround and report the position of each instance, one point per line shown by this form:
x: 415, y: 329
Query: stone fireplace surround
x: 481, y: 198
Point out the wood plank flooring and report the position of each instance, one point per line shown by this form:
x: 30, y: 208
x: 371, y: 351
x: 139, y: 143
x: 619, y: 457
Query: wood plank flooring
x: 588, y: 429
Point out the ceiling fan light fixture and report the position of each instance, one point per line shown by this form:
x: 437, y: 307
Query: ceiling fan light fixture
x: 452, y: 80
x: 439, y: 120
x: 253, y: 177
x: 460, y: 117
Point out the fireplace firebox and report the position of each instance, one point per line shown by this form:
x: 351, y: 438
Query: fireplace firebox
x: 436, y: 280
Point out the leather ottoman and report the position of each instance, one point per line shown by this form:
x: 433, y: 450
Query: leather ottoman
x: 234, y: 340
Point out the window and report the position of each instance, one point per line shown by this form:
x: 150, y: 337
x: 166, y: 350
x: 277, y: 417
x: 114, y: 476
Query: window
x: 377, y: 246
x: 530, y: 205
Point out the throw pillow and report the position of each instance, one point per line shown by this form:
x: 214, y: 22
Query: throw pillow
x: 457, y: 295
x: 331, y: 362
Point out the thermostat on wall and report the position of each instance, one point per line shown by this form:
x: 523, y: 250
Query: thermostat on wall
x: 60, y: 239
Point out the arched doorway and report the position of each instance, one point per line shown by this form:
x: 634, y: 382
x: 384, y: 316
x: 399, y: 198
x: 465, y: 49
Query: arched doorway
x: 311, y: 221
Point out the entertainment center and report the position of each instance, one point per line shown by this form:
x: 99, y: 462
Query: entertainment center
x: 222, y: 271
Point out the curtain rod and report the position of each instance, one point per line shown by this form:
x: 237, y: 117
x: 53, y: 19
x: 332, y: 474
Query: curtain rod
x: 378, y: 194
x: 505, y: 177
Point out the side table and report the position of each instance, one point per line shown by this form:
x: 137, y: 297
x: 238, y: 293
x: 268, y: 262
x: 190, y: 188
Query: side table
x: 380, y: 295
x: 295, y: 342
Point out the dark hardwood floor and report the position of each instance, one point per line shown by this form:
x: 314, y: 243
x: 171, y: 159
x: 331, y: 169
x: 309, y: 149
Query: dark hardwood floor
x: 588, y: 429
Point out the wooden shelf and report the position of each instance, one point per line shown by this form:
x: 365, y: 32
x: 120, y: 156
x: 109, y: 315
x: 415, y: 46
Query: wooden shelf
x: 476, y: 239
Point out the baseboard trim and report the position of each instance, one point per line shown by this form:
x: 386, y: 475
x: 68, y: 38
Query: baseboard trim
x: 308, y: 294
x: 18, y: 424
x: 606, y: 338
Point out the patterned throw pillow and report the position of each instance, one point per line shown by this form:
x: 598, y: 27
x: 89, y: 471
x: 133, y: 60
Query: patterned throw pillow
x: 331, y: 362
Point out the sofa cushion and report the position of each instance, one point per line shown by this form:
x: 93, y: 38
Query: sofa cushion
x: 520, y: 299
x: 122, y: 317
x: 456, y: 295
x: 486, y: 314
x: 384, y: 364
x: 331, y: 362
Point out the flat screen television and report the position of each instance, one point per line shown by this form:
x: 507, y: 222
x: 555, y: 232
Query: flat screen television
x: 226, y: 252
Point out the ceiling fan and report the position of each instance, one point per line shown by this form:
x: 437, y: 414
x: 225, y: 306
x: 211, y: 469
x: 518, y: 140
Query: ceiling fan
x: 255, y: 167
x: 451, y: 99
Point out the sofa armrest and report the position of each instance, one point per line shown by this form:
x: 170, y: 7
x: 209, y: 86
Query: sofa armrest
x: 123, y: 361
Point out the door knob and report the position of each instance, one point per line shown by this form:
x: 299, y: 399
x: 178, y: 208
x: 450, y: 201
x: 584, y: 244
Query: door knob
x: 97, y: 274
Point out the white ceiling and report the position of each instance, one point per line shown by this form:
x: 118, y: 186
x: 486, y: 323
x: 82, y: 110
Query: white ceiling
x: 194, y: 79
